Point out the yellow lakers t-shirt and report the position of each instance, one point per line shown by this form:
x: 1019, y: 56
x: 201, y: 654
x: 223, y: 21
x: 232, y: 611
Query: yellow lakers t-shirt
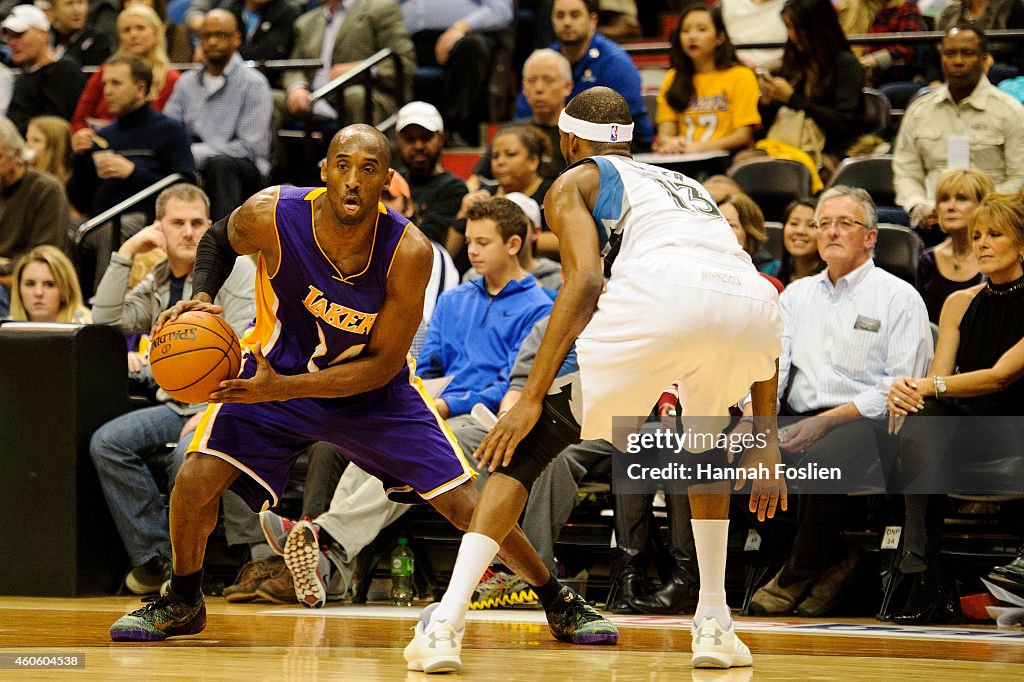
x: 724, y: 101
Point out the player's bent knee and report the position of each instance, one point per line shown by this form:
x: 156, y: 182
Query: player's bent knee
x: 202, y: 478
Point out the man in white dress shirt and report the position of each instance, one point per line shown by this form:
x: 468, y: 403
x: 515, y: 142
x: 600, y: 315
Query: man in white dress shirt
x: 848, y: 332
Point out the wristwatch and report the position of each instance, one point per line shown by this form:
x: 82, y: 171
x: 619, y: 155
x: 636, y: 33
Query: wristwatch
x: 940, y: 386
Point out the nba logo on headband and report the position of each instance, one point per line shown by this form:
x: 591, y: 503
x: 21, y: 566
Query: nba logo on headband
x: 595, y: 132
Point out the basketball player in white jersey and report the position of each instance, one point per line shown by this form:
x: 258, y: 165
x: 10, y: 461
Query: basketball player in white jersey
x: 683, y: 302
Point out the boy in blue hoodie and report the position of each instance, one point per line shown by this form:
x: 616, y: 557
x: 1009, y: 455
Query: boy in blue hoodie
x: 476, y: 329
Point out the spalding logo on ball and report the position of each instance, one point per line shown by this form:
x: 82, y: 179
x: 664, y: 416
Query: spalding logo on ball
x: 193, y: 354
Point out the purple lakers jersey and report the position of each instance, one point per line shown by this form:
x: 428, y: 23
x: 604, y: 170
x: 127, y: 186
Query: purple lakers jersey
x: 309, y: 315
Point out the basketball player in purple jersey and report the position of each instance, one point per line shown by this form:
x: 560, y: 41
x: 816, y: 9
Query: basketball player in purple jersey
x: 339, y: 294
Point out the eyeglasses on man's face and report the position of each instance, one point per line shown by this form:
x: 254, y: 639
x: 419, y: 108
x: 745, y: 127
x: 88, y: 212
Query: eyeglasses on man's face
x: 844, y: 224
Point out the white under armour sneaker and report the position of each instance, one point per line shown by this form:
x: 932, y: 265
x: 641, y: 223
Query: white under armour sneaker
x: 436, y: 647
x: 718, y: 647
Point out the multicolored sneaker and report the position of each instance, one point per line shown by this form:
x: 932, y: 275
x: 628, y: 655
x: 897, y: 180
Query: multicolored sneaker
x: 717, y: 647
x: 276, y: 529
x: 161, y: 618
x: 308, y: 564
x: 435, y: 647
x: 502, y: 590
x: 572, y: 619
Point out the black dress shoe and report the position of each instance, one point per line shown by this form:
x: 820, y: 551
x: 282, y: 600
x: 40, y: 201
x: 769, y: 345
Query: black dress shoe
x: 674, y: 597
x: 627, y: 584
x: 678, y: 595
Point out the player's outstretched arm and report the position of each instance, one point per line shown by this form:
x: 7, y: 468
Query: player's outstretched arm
x: 249, y: 229
x: 766, y: 495
x: 385, y: 352
x: 567, y: 209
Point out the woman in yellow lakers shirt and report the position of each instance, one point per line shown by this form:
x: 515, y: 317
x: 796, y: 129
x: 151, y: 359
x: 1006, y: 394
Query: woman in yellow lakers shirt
x: 708, y: 100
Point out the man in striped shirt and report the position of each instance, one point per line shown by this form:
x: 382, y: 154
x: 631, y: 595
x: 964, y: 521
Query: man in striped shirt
x: 848, y: 333
x: 226, y: 110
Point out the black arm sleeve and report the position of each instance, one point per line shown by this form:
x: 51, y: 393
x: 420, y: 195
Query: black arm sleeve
x: 215, y: 258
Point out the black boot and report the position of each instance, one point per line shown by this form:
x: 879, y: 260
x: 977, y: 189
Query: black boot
x: 677, y: 595
x: 627, y: 583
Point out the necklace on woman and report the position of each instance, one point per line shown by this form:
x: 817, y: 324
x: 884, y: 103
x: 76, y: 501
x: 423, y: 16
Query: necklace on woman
x: 1004, y: 289
x: 958, y: 261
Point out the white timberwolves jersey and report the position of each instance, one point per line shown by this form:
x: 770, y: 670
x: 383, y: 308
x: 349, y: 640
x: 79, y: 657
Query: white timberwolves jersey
x: 643, y: 209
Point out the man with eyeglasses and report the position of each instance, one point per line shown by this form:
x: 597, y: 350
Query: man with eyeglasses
x: 226, y: 109
x: 848, y: 332
x: 966, y: 122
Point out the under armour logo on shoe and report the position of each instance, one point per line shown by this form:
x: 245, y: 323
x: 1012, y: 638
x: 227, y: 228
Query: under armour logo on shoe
x: 708, y: 633
x: 443, y: 636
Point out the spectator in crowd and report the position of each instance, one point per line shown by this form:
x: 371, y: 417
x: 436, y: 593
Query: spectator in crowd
x: 819, y: 76
x: 436, y: 192
x: 976, y: 373
x: 46, y: 288
x: 800, y: 257
x: 547, y: 82
x: 46, y: 85
x: 755, y: 21
x: 966, y: 122
x: 516, y: 153
x: 547, y: 272
x: 952, y: 265
x: 121, y: 448
x: 884, y: 63
x: 986, y: 14
x: 455, y: 35
x: 49, y: 139
x: 342, y: 34
x: 141, y: 34
x: 32, y: 205
x: 176, y: 37
x: 596, y: 60
x: 226, y: 109
x: 72, y: 37
x: 708, y: 100
x: 477, y: 327
x: 747, y: 222
x: 267, y: 31
x: 141, y: 147
x: 848, y: 332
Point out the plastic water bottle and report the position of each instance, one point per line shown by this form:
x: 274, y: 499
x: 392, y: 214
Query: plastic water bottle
x: 402, y: 590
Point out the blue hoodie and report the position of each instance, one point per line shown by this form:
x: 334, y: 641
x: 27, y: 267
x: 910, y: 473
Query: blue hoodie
x: 474, y: 338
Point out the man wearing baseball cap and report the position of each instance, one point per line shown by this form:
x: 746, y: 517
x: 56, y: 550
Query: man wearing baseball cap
x: 436, y: 193
x: 46, y: 85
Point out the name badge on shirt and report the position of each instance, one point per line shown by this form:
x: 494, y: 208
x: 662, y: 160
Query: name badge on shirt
x: 867, y: 324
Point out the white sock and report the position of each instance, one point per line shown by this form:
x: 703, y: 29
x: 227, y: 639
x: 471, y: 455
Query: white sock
x: 475, y: 554
x: 711, y: 536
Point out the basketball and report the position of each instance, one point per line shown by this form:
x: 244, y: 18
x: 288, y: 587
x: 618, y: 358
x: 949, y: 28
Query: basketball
x: 193, y: 354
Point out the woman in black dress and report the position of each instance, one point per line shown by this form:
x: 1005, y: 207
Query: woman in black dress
x: 978, y: 371
x: 952, y: 265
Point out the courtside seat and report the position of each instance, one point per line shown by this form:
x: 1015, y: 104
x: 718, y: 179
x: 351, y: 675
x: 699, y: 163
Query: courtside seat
x: 773, y: 184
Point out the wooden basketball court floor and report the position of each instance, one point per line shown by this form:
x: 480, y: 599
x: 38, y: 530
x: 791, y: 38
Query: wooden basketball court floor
x: 255, y: 642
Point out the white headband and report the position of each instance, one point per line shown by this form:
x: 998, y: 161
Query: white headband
x: 595, y: 132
